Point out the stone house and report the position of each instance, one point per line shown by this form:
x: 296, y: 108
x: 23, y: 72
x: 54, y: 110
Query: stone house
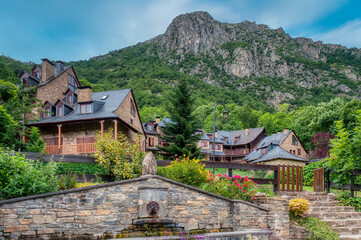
x: 153, y: 130
x: 72, y: 114
x: 231, y: 146
x: 281, y: 148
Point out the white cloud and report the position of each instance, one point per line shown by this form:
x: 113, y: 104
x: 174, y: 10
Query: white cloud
x: 348, y: 34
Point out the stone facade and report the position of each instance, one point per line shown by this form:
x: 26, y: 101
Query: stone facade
x: 298, y: 149
x: 84, y: 94
x: 54, y: 90
x: 114, y: 209
x: 285, y: 162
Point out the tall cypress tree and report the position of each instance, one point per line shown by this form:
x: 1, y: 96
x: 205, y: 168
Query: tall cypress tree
x: 180, y: 131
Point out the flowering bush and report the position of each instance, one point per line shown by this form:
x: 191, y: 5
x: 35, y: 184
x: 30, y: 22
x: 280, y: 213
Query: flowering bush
x: 229, y: 187
x: 299, y: 206
x: 187, y: 171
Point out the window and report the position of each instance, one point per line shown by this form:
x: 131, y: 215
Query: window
x: 47, y: 112
x: 298, y: 151
x: 38, y: 74
x: 69, y: 99
x: 294, y: 140
x: 204, y: 144
x: 150, y: 127
x: 151, y: 142
x: 263, y: 151
x: 131, y: 121
x: 226, y: 139
x: 60, y: 111
x: 86, y: 108
x: 132, y: 108
x: 236, y: 140
x: 210, y: 136
x: 72, y: 83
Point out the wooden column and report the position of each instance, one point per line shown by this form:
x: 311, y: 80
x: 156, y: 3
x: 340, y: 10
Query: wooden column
x: 102, y: 128
x: 59, y: 138
x: 115, y: 129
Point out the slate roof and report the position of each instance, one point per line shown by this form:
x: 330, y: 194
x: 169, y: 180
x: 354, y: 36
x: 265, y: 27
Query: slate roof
x: 243, y: 138
x: 275, y: 139
x: 102, y: 108
x: 276, y: 153
x: 164, y: 121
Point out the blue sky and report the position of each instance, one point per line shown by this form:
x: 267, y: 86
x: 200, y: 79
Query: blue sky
x: 79, y: 29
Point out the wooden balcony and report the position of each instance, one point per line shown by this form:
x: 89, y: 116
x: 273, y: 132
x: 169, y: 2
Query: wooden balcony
x: 71, y: 149
x: 236, y: 152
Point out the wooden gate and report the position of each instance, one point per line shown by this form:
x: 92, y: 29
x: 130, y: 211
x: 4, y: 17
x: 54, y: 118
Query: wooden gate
x: 290, y: 178
x: 319, y: 180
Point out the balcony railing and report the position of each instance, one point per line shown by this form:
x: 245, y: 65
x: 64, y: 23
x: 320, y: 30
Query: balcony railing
x: 236, y: 152
x: 71, y: 149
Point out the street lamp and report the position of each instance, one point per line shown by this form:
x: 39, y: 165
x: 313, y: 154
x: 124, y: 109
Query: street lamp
x: 225, y: 115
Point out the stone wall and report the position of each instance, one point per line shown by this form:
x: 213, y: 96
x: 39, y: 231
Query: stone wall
x: 287, y: 145
x: 114, y: 209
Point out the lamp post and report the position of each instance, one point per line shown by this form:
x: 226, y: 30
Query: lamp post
x: 225, y: 115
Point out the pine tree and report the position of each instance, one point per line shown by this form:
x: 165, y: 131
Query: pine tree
x: 180, y: 131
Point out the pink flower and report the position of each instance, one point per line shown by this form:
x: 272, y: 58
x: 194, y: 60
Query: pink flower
x: 245, y: 185
x: 254, y: 198
x: 226, y: 175
x: 252, y: 192
x: 237, y: 184
x: 245, y: 179
x: 219, y: 175
x: 235, y: 181
x: 229, y: 184
x: 246, y: 176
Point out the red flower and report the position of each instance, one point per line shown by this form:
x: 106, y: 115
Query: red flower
x: 254, y: 198
x: 245, y: 185
x: 219, y: 175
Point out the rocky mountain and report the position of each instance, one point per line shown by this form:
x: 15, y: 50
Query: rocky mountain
x: 243, y: 63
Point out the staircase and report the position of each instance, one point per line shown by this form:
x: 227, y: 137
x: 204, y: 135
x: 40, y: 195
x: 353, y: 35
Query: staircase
x: 342, y: 219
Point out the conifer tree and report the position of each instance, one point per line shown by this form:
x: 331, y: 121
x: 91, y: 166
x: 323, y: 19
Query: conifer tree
x: 180, y: 131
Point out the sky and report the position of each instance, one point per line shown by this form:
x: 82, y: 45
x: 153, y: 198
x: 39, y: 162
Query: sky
x: 71, y: 30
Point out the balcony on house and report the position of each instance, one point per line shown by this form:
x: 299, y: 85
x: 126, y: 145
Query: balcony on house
x: 74, y: 149
x: 236, y: 152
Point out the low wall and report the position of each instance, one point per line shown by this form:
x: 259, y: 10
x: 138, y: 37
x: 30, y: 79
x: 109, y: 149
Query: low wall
x: 111, y: 210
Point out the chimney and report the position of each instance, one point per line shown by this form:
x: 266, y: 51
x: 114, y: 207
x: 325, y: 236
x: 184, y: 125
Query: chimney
x: 47, y: 69
x: 84, y: 94
x: 216, y: 134
x: 59, y: 68
x: 246, y: 131
x: 285, y: 131
x: 157, y: 119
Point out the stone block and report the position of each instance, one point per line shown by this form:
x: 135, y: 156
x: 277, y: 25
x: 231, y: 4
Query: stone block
x: 41, y: 219
x: 102, y: 212
x: 16, y: 228
x: 36, y: 211
x: 25, y: 221
x: 84, y: 213
x: 7, y: 211
x: 65, y: 214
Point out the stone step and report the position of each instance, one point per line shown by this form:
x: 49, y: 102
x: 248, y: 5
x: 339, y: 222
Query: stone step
x: 348, y: 230
x: 336, y: 215
x: 304, y: 193
x: 350, y: 237
x: 343, y: 222
x: 332, y: 209
x: 324, y: 203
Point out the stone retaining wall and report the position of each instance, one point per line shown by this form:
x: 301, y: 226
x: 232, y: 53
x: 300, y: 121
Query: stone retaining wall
x: 110, y: 210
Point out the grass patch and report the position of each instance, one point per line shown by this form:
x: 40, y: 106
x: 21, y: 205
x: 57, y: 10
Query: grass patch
x: 317, y: 230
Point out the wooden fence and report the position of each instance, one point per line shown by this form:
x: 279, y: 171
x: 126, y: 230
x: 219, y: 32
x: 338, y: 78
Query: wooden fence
x: 347, y: 186
x: 290, y: 178
x: 285, y: 178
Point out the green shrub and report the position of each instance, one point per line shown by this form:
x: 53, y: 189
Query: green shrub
x: 81, y: 168
x: 35, y: 143
x: 308, y: 171
x: 21, y: 177
x: 234, y: 189
x: 121, y: 157
x: 67, y: 181
x: 317, y: 230
x: 187, y: 171
x: 299, y: 206
x: 347, y: 200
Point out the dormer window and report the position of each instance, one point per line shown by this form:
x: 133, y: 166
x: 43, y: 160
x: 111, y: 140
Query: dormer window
x: 132, y: 108
x: 60, y: 111
x: 226, y: 139
x: 47, y: 112
x: 69, y: 99
x: 86, y: 108
x: 72, y: 83
x: 149, y: 127
x: 236, y: 139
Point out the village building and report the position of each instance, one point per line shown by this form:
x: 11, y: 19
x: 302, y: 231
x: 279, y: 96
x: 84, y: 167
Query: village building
x: 231, y: 146
x: 281, y: 148
x: 73, y: 114
x: 153, y: 130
